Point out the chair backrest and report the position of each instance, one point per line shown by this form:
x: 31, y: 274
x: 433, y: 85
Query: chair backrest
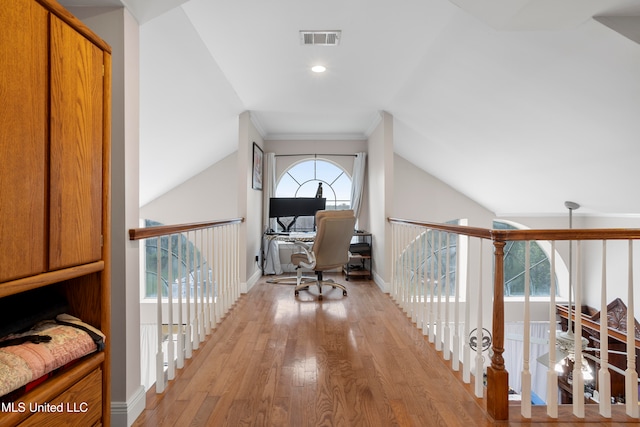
x: 333, y: 236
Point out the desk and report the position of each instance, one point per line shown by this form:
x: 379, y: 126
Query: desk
x: 277, y: 249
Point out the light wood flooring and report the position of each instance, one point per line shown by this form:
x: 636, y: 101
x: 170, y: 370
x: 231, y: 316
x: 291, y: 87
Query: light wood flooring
x: 277, y: 360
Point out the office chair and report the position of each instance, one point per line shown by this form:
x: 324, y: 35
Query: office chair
x: 330, y: 249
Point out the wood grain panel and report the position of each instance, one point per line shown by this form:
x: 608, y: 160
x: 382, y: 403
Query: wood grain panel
x: 76, y: 148
x: 23, y: 138
x: 83, y: 294
x: 81, y: 405
x: 53, y: 387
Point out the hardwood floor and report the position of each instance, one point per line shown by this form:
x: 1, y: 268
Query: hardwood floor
x: 344, y: 361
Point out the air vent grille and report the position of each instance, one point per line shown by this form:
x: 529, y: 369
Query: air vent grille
x: 321, y: 38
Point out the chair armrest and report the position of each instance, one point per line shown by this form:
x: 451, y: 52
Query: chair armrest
x: 302, y: 245
x: 308, y: 252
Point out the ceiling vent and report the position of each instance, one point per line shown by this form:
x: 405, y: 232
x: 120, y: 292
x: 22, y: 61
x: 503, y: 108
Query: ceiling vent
x: 320, y: 38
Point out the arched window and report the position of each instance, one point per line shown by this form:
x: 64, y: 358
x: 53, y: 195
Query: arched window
x: 514, y: 265
x: 429, y: 255
x: 302, y: 179
x: 190, y: 253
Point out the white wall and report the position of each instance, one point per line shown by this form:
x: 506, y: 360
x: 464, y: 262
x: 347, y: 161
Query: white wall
x: 249, y: 202
x: 617, y: 264
x: 118, y: 28
x: 210, y: 195
x: 380, y: 195
x: 420, y: 196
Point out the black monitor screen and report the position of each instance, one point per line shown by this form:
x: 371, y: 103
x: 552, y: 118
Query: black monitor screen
x: 280, y: 207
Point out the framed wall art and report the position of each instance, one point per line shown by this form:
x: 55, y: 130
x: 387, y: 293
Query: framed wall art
x: 258, y: 155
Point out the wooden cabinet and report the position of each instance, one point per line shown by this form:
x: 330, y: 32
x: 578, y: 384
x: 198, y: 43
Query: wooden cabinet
x: 75, y: 197
x: 23, y: 137
x: 55, y: 183
x: 51, y: 143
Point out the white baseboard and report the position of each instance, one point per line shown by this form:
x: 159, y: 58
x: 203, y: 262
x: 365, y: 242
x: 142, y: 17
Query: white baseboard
x: 123, y: 414
x: 384, y: 286
x: 253, y: 280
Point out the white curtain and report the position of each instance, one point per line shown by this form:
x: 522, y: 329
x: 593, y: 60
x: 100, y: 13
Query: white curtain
x: 357, y: 183
x: 269, y: 189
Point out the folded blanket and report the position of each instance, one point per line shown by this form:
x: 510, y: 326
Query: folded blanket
x: 21, y: 364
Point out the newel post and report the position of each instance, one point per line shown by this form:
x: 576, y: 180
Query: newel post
x: 497, y: 376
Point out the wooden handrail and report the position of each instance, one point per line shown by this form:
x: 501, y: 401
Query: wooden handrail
x: 523, y: 235
x: 483, y: 233
x: 164, y: 230
x: 567, y: 234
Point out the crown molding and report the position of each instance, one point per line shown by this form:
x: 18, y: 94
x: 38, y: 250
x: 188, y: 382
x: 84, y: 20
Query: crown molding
x: 316, y: 137
x: 257, y: 124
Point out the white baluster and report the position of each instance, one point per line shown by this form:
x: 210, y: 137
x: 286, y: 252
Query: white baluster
x: 425, y: 283
x: 479, y: 380
x: 578, y: 379
x: 441, y: 283
x: 181, y: 329
x: 455, y: 363
x: 466, y: 349
x: 403, y: 281
x: 212, y: 268
x: 160, y: 383
x: 604, y: 377
x: 525, y: 404
x: 226, y: 269
x: 201, y: 282
x: 552, y: 376
x: 394, y: 257
x: 447, y: 328
x: 196, y: 290
x: 217, y: 274
x: 432, y: 288
x: 188, y: 345
x: 416, y: 276
x: 171, y: 367
x: 209, y: 285
x: 631, y: 376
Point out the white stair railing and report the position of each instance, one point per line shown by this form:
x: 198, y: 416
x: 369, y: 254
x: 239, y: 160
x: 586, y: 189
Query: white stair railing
x: 193, y: 298
x: 422, y: 287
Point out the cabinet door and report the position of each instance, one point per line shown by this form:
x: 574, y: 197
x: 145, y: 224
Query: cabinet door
x: 23, y: 138
x: 75, y: 210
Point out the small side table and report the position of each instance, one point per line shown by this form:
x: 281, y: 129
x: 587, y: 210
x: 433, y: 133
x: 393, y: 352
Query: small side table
x: 359, y: 264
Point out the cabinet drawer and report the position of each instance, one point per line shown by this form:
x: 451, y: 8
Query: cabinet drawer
x: 80, y: 405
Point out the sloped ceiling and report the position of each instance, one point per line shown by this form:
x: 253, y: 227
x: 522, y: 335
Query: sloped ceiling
x: 519, y: 104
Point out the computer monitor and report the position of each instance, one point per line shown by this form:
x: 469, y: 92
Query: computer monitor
x: 283, y: 207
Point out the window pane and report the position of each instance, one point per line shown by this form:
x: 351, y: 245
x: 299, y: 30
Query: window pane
x: 287, y: 187
x: 303, y: 171
x: 514, y: 267
x: 326, y: 171
x: 342, y: 187
x: 309, y: 188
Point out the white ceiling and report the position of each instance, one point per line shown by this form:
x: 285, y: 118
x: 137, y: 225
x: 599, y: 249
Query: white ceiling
x: 519, y: 104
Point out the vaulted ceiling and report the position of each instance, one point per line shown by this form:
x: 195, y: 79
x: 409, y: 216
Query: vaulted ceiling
x: 519, y: 104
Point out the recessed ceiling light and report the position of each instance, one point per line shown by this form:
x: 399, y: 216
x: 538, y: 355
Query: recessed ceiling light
x: 318, y: 69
